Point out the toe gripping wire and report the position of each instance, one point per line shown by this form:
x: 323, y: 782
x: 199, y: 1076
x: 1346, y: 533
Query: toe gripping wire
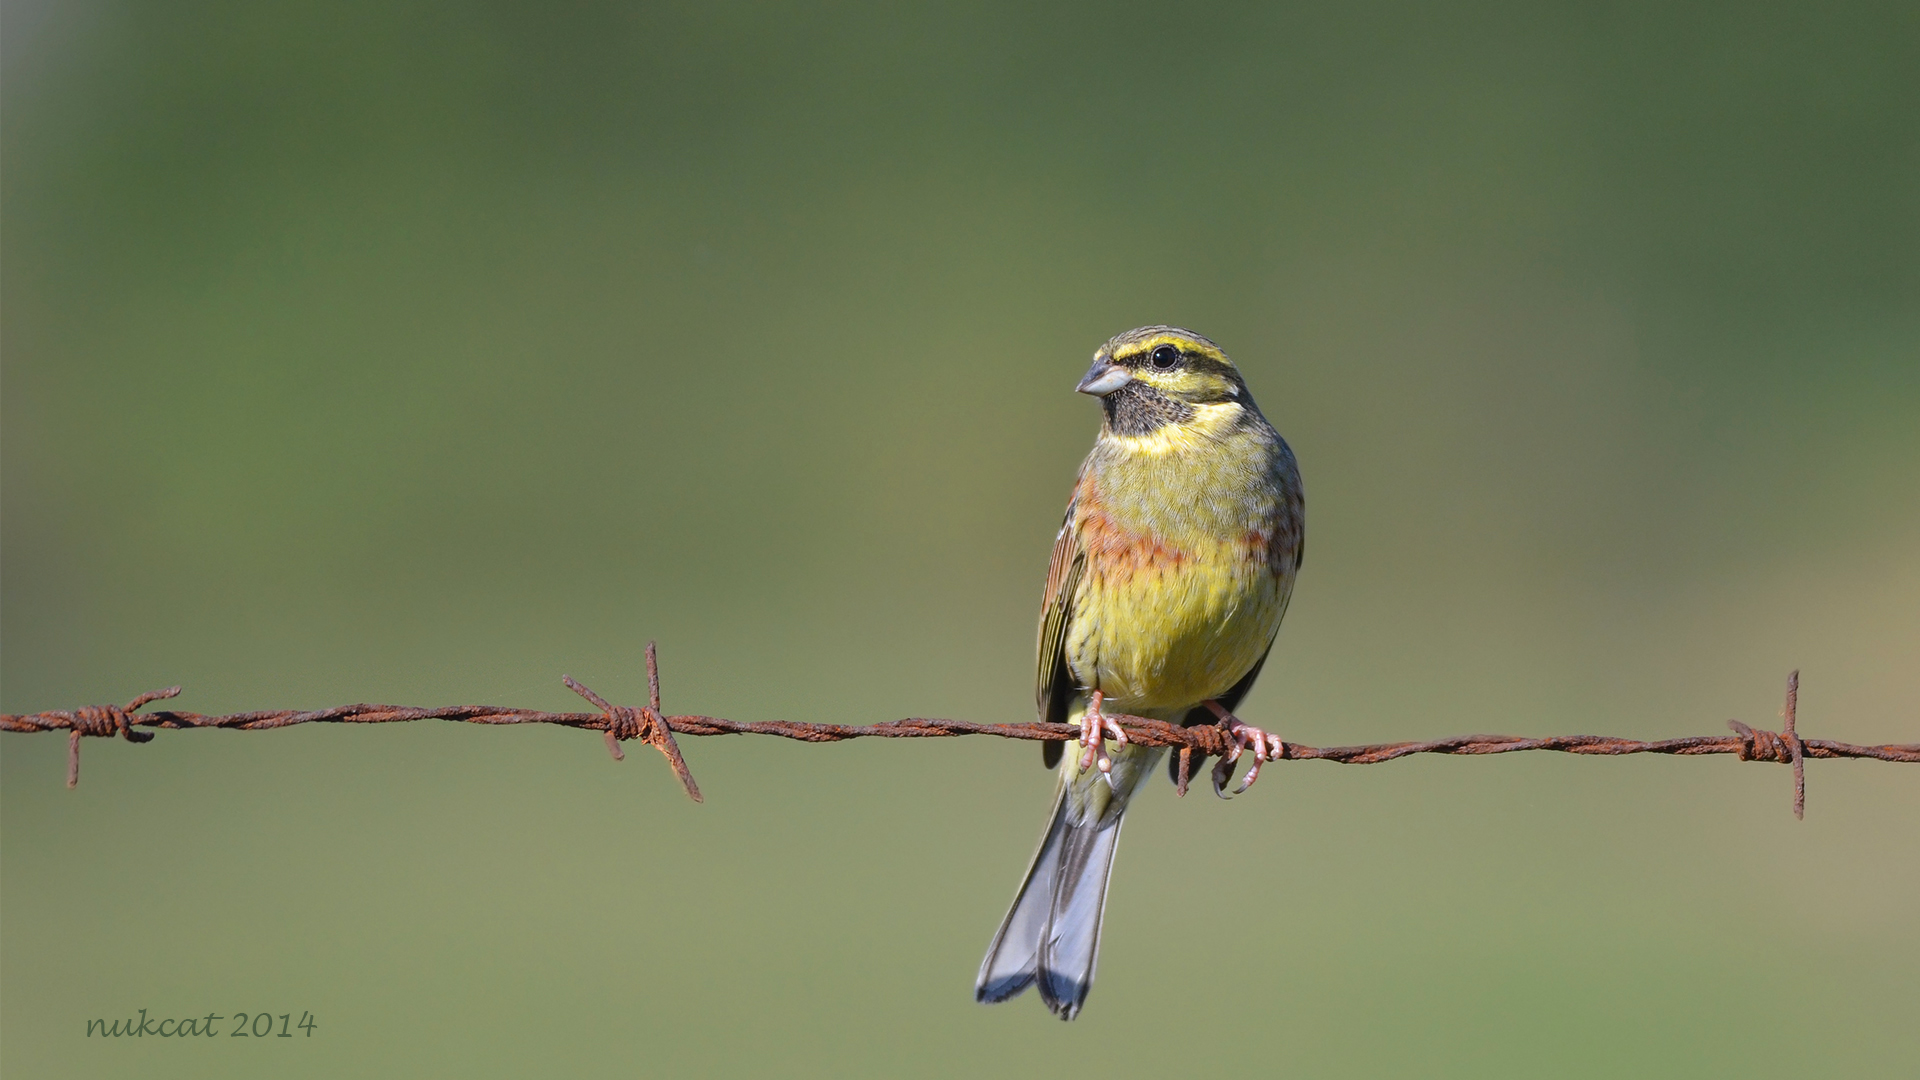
x: 106, y: 721
x: 1784, y: 746
x: 645, y: 723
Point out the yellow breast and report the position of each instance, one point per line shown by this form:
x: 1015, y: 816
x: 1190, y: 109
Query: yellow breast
x: 1189, y: 535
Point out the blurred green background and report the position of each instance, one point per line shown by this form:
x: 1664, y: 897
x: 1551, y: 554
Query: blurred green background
x: 423, y: 353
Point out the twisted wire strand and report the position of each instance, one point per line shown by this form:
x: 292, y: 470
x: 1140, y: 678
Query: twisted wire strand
x: 649, y: 724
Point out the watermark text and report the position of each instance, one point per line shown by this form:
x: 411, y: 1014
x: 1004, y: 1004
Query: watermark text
x: 259, y: 1025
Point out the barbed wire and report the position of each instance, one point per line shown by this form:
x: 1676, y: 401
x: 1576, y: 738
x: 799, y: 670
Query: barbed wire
x: 648, y: 724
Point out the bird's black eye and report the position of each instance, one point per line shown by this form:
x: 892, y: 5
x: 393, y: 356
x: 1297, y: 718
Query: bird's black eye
x: 1165, y: 357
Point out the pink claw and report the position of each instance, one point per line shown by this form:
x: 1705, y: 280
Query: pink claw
x: 1265, y: 748
x: 1093, y: 726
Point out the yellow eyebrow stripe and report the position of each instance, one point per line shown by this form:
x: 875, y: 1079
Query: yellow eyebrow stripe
x: 1180, y: 341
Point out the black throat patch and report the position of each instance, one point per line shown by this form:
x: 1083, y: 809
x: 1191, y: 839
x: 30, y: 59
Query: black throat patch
x: 1139, y: 409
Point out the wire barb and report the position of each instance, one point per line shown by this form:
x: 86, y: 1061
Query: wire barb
x: 1785, y: 747
x: 105, y: 721
x: 651, y: 725
x: 645, y: 723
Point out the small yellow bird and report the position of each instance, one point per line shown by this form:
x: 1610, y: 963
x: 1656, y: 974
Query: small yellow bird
x: 1169, y: 578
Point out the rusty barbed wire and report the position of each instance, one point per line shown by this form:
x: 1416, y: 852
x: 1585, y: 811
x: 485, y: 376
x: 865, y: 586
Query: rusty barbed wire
x: 649, y: 724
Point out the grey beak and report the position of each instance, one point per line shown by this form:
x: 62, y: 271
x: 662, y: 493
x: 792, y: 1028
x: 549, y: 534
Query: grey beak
x: 1104, y: 378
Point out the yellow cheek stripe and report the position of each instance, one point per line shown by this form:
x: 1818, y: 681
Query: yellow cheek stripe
x: 1210, y: 422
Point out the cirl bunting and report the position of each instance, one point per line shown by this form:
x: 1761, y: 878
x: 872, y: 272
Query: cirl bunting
x: 1168, y: 582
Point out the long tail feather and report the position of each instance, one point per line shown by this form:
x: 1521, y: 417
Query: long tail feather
x: 1051, y: 935
x: 1013, y: 959
x: 1070, y: 950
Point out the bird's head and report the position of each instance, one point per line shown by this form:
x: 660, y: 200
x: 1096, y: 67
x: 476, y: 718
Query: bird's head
x: 1160, y: 375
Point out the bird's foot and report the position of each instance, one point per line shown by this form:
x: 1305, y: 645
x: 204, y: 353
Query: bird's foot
x: 1245, y: 737
x: 1094, y: 726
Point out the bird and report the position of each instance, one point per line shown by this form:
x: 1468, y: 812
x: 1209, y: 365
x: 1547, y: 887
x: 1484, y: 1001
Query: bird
x: 1169, y: 577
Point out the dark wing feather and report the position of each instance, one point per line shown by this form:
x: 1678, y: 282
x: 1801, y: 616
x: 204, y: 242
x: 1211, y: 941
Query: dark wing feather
x: 1055, y: 684
x: 1202, y: 715
x: 1294, y: 511
x: 1232, y: 698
